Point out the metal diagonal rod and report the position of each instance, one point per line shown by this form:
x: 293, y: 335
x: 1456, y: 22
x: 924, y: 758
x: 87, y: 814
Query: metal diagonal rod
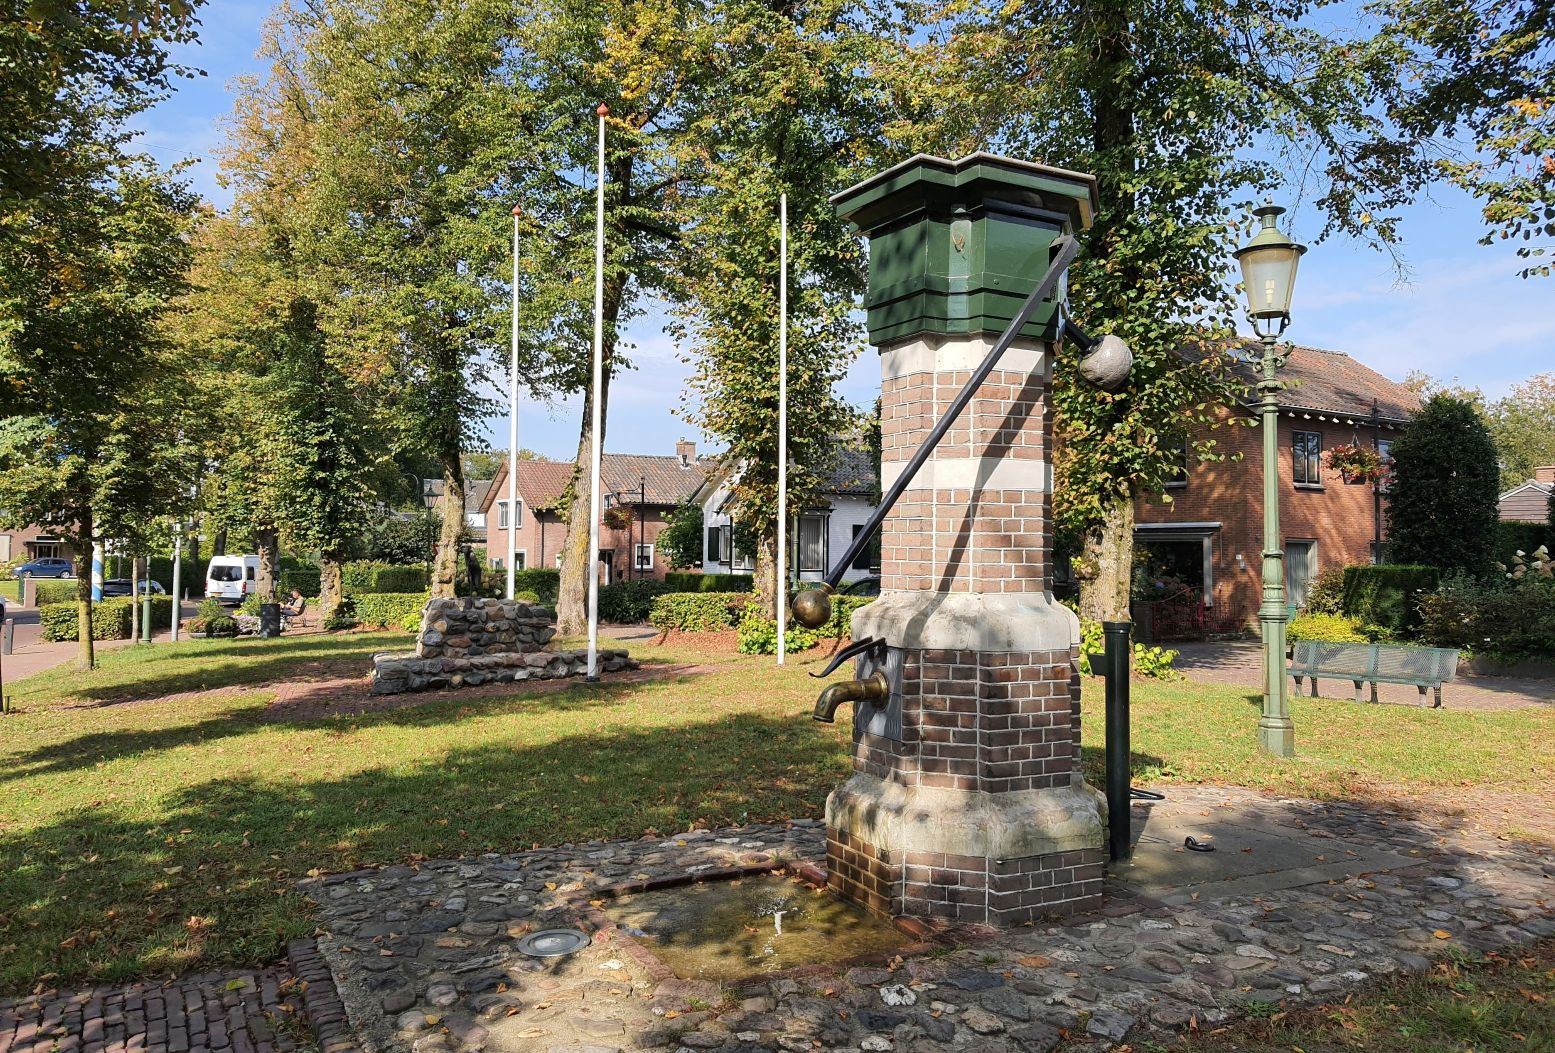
x: 1065, y: 250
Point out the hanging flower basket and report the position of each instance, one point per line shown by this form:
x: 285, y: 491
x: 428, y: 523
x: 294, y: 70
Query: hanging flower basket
x: 1356, y: 463
x: 618, y: 517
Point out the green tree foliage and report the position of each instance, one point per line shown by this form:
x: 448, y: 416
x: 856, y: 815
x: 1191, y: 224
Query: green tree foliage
x: 1185, y: 114
x: 87, y: 384
x: 1492, y: 80
x: 1442, y: 505
x: 1523, y: 426
x: 680, y: 542
x: 411, y: 541
x: 808, y: 124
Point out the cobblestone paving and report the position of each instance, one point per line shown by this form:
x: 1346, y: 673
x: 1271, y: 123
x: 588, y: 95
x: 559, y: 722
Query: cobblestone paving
x: 252, y: 1011
x: 426, y: 959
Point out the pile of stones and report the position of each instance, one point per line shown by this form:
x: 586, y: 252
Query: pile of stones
x: 468, y: 641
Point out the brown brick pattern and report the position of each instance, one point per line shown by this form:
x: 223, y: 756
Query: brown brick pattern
x: 963, y: 889
x: 984, y: 721
x: 989, y: 540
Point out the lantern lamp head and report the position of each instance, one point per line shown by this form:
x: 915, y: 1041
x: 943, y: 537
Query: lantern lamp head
x: 1269, y: 265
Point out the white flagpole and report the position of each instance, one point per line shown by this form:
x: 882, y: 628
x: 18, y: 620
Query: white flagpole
x: 594, y: 393
x: 782, y: 523
x: 512, y: 556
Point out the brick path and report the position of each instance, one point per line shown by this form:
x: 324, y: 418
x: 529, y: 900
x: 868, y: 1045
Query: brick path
x: 289, y: 1007
x: 1242, y: 664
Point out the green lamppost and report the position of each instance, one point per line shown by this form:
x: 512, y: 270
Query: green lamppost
x: 1269, y: 276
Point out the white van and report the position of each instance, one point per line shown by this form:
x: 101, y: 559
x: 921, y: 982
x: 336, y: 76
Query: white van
x: 231, y: 577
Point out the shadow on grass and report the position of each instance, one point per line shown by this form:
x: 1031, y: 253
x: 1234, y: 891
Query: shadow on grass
x: 94, y: 894
x: 440, y: 708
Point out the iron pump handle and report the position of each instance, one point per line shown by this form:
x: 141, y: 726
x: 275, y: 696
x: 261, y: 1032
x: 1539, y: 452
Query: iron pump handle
x: 853, y: 649
x: 812, y: 608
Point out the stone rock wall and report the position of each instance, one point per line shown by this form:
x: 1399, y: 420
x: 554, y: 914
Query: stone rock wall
x: 468, y: 641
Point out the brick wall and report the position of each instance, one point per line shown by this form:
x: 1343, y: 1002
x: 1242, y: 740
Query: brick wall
x: 1339, y: 516
x: 542, y: 535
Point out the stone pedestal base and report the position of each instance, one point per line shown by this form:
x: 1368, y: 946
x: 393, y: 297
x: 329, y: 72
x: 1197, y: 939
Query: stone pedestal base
x: 966, y: 857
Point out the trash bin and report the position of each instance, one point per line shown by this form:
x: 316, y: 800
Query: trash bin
x: 269, y: 620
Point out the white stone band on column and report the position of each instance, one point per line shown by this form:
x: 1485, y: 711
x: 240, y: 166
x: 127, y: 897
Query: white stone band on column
x: 973, y: 473
x: 963, y: 353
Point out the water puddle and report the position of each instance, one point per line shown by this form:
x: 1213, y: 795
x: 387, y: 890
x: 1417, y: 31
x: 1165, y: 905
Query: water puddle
x: 727, y: 930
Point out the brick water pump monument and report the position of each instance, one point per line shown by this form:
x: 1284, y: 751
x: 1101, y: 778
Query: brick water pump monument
x: 966, y: 801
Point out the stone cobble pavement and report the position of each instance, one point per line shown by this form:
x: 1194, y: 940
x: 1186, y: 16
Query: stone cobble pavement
x: 426, y: 960
x: 290, y: 1008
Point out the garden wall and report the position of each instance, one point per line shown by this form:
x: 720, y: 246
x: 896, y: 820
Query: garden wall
x: 469, y: 641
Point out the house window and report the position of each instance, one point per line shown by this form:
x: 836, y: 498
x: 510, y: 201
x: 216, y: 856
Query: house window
x: 1306, y: 458
x: 1385, y: 451
x: 1300, y: 569
x: 558, y: 561
x: 521, y: 560
x: 812, y: 543
x: 715, y: 552
x: 869, y: 558
x: 644, y: 557
x: 502, y: 515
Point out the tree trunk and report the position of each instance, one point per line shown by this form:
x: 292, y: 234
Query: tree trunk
x: 219, y: 542
x: 330, y: 592
x: 268, y: 577
x: 445, y: 572
x: 572, y: 600
x: 85, y: 657
x: 1108, y: 560
x: 766, y: 583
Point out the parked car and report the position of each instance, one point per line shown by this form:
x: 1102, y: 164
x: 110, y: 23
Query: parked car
x: 46, y: 567
x: 230, y: 578
x: 121, y: 587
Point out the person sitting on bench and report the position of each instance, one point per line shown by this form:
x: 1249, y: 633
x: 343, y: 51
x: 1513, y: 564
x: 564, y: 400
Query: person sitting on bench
x: 294, y: 605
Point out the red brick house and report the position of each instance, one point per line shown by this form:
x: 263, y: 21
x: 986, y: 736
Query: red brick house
x: 33, y: 542
x: 649, y: 487
x: 1530, y: 502
x: 1203, y: 535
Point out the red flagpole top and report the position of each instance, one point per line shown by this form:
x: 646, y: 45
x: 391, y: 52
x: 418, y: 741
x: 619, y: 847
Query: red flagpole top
x: 603, y: 110
x: 517, y: 211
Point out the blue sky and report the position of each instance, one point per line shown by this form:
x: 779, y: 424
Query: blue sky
x: 1462, y: 312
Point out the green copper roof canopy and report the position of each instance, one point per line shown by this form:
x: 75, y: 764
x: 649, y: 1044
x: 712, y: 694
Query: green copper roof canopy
x: 957, y: 246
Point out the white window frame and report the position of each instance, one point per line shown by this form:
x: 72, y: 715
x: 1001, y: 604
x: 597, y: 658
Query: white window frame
x: 502, y: 515
x: 824, y: 526
x: 637, y: 554
x: 521, y: 559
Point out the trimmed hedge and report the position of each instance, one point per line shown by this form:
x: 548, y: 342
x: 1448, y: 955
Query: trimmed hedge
x: 629, y: 602
x: 1388, y: 594
x: 388, y: 610
x: 111, y: 619
x: 1512, y: 538
x: 698, y: 612
x: 366, y: 576
x: 1331, y: 628
x: 544, y: 583
x: 304, y: 579
x: 691, y: 581
x: 56, y: 592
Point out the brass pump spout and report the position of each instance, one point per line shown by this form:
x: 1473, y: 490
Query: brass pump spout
x: 873, y: 688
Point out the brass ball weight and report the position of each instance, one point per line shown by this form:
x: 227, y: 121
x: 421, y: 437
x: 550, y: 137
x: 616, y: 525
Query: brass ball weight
x: 812, y: 607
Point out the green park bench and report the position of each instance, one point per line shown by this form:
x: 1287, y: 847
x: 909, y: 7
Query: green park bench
x: 1374, y: 663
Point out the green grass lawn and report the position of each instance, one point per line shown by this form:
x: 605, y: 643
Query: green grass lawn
x: 1498, y: 1004
x: 11, y: 589
x: 150, y: 837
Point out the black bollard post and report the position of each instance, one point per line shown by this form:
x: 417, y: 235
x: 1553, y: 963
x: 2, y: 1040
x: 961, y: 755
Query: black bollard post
x: 1116, y: 635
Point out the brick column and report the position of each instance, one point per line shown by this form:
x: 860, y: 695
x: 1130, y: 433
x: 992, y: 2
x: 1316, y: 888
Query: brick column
x: 966, y: 802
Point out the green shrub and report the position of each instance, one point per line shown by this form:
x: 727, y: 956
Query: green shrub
x: 250, y: 604
x: 1510, y: 619
x: 697, y: 612
x: 209, y: 608
x: 367, y: 576
x: 1327, y: 628
x: 690, y: 581
x: 305, y: 580
x: 540, y: 581
x: 526, y: 597
x: 388, y: 610
x: 192, y: 578
x: 1157, y: 663
x: 841, y: 621
x: 758, y: 634
x: 339, y: 620
x: 1444, y: 490
x: 629, y: 602
x: 8, y: 569
x: 56, y: 592
x: 1388, y: 594
x: 1325, y: 593
x: 111, y: 619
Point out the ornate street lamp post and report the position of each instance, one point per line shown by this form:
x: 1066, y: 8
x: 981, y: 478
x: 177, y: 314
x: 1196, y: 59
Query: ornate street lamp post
x: 1269, y: 264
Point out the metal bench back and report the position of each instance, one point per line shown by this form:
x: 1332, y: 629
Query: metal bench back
x: 1393, y: 662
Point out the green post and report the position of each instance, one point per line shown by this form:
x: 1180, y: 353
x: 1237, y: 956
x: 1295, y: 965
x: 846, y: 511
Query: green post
x: 145, y: 608
x: 1276, y: 731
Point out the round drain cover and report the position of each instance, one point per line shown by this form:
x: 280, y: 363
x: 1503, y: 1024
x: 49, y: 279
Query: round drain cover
x: 553, y: 943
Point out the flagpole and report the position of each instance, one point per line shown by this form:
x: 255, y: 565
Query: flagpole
x: 512, y: 556
x: 782, y: 523
x: 594, y: 400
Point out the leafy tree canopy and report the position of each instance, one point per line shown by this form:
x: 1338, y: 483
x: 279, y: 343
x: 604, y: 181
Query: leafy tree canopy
x: 1442, y: 504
